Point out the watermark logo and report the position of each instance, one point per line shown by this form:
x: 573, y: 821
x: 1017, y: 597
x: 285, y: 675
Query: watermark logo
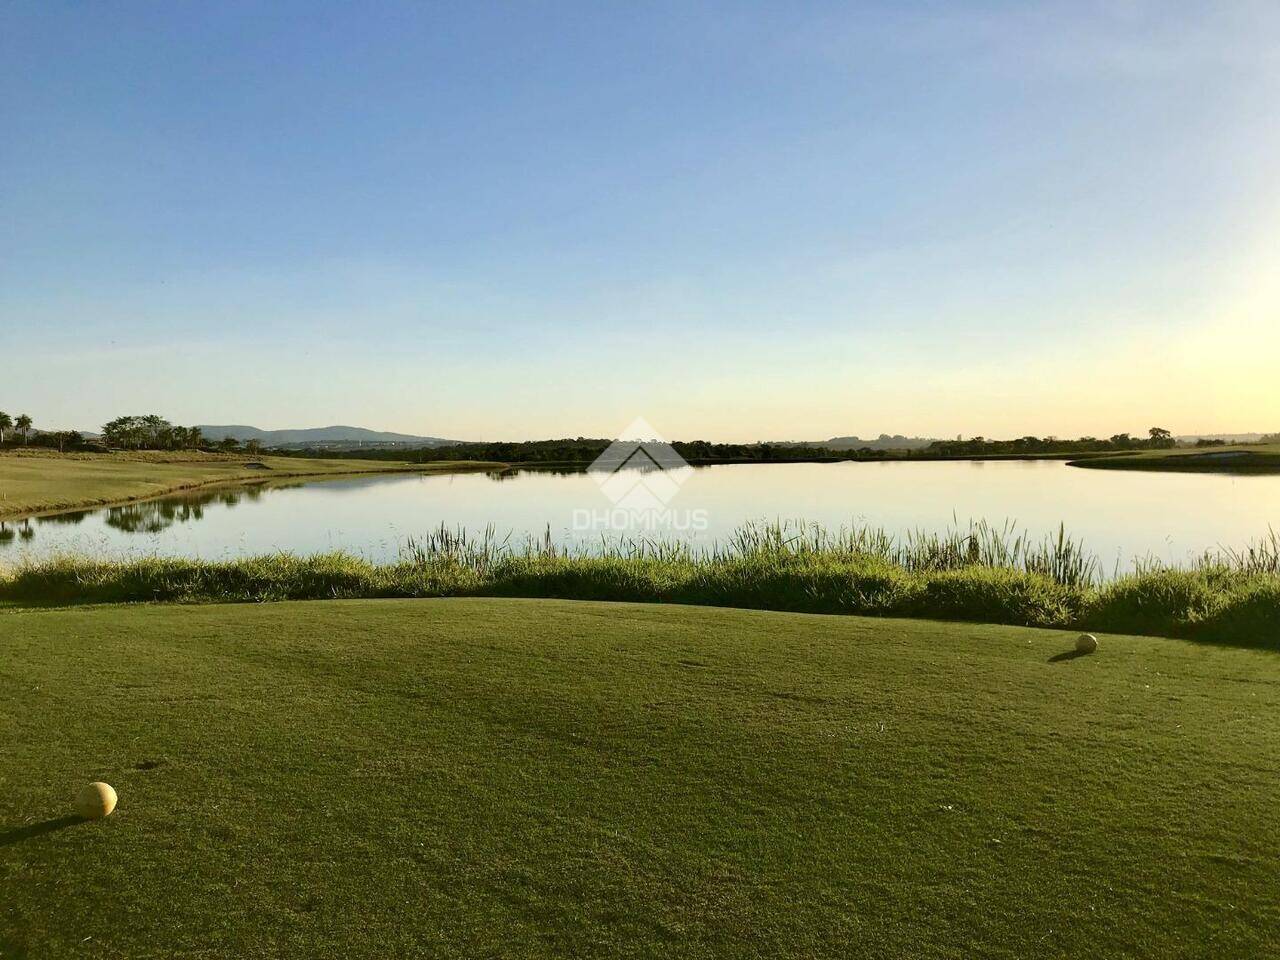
x: 639, y: 473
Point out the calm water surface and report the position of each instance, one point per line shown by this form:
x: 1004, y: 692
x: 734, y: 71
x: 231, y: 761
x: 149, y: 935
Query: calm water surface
x: 1118, y: 515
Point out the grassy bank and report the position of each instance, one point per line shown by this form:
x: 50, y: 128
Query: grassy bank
x: 42, y: 482
x: 471, y: 778
x: 1245, y: 458
x: 983, y: 576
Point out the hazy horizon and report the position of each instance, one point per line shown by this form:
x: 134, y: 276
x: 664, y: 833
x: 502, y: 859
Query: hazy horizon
x: 796, y: 436
x: 741, y: 223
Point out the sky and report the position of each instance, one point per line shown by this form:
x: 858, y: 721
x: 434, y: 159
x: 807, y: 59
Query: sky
x: 740, y: 221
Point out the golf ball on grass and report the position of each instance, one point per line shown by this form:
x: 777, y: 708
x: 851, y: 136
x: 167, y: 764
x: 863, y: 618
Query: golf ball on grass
x: 95, y: 800
x: 1087, y: 643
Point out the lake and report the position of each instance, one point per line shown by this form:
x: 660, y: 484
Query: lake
x: 1119, y: 515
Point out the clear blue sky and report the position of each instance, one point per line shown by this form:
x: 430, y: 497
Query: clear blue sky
x: 739, y: 221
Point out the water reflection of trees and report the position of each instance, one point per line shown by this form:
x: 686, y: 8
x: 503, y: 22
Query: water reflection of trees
x: 148, y: 516
x: 21, y: 530
x: 153, y: 516
x: 71, y: 517
x: 14, y: 530
x: 511, y: 473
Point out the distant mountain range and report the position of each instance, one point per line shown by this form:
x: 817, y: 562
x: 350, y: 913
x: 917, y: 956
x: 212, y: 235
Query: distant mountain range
x: 345, y: 437
x: 899, y: 442
x: 883, y: 442
x: 337, y: 436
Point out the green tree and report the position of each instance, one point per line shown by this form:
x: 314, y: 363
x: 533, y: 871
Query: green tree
x: 1160, y: 437
x: 138, y: 433
x: 63, y: 439
x: 5, y: 423
x: 153, y: 429
x: 23, y: 423
x: 120, y: 432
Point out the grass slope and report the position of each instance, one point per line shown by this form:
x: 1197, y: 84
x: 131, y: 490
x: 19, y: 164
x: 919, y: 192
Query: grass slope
x: 536, y: 778
x: 42, y: 483
x: 1242, y: 458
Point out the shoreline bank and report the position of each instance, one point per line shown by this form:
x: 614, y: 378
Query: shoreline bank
x: 191, y: 474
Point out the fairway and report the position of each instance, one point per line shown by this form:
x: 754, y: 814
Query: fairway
x: 1234, y: 458
x: 33, y: 482
x: 469, y: 778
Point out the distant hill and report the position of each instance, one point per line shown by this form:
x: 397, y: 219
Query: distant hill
x: 337, y: 436
x: 883, y: 442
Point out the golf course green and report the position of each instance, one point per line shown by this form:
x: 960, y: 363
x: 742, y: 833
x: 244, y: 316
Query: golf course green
x: 1236, y: 458
x: 539, y: 778
x: 44, y: 482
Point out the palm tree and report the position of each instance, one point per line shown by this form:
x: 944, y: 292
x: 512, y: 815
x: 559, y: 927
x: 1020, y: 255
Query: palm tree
x: 23, y: 423
x: 5, y: 423
x: 153, y: 426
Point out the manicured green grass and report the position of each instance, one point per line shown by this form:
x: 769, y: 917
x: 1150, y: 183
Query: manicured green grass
x: 42, y: 482
x: 1243, y: 458
x: 537, y: 778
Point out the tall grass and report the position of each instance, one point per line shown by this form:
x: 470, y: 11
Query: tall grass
x: 982, y: 573
x: 1262, y: 557
x: 1058, y: 557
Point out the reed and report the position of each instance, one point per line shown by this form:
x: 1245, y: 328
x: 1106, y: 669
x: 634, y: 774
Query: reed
x: 980, y: 573
x: 1058, y: 556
